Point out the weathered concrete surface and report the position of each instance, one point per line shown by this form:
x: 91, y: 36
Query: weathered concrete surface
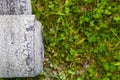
x: 15, y: 7
x: 21, y: 46
x: 21, y: 42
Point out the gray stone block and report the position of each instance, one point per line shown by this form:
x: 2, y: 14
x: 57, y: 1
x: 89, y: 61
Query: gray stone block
x: 15, y: 7
x: 21, y: 46
x: 21, y: 42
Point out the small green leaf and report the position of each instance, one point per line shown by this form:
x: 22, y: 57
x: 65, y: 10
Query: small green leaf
x: 71, y: 72
x: 87, y: 19
x: 106, y: 66
x: 79, y: 79
x: 117, y: 64
x: 117, y: 18
x: 106, y: 78
x: 91, y: 39
x: 107, y: 12
x: 76, y: 37
x: 67, y: 10
x: 96, y: 15
x: 92, y: 23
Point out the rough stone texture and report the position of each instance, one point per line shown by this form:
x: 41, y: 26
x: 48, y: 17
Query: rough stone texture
x: 15, y: 7
x: 21, y: 46
x: 21, y: 42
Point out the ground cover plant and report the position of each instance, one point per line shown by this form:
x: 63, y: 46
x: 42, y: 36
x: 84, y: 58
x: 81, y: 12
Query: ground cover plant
x: 81, y: 38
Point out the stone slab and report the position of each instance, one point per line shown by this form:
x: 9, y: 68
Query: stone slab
x: 21, y: 46
x: 15, y: 7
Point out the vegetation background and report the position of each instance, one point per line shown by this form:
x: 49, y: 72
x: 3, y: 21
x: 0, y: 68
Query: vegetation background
x: 81, y: 37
